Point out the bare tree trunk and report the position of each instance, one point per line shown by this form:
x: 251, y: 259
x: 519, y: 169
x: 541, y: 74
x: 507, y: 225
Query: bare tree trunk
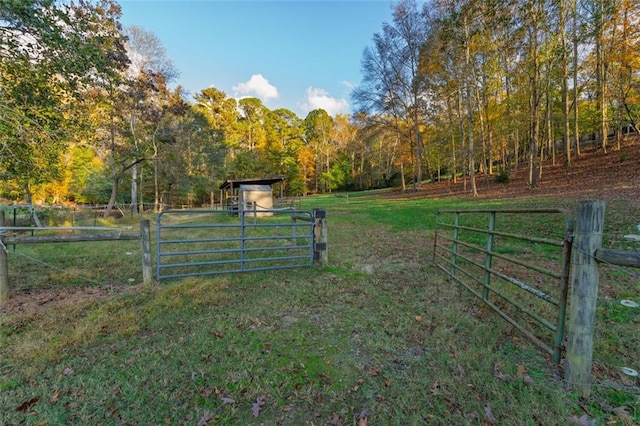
x: 565, y: 82
x: 489, y: 135
x: 404, y: 183
x: 140, y: 197
x: 549, y: 136
x: 419, y: 152
x: 156, y: 192
x: 534, y: 102
x: 470, y: 85
x: 601, y: 74
x: 462, y: 138
x: 134, y: 189
x: 112, y: 197
x: 483, y: 138
x: 29, y: 200
x: 114, y: 172
x: 576, y: 126
x: 453, y: 139
x: 470, y: 150
x: 516, y: 148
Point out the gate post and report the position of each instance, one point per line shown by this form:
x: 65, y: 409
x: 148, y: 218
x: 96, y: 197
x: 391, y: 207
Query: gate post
x: 4, y: 264
x: 584, y: 295
x: 145, y: 241
x: 320, y: 252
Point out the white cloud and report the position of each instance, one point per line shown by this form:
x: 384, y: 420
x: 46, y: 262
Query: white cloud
x: 319, y: 99
x: 349, y: 85
x: 257, y: 86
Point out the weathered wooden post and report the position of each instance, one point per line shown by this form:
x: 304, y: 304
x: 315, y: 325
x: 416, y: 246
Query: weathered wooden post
x: 4, y: 264
x: 145, y: 241
x: 584, y: 295
x: 320, y: 251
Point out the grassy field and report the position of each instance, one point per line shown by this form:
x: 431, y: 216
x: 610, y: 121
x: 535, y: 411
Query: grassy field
x: 378, y: 337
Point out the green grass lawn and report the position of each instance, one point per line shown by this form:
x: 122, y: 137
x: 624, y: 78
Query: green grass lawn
x: 378, y: 333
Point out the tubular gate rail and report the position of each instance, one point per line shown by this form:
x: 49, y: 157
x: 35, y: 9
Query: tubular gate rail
x: 208, y: 242
x: 515, y: 273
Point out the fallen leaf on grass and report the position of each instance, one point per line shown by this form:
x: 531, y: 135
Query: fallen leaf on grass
x: 55, y: 395
x: 582, y: 420
x: 621, y: 411
x: 374, y: 371
x: 255, y: 408
x: 499, y: 374
x: 362, y: 418
x: 522, y: 372
x: 623, y: 414
x: 28, y: 404
x: 460, y: 374
x: 489, y: 414
x: 335, y: 420
x: 206, y: 416
x: 226, y: 400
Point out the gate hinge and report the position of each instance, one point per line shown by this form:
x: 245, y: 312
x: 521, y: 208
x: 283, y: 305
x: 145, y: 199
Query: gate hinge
x: 320, y: 246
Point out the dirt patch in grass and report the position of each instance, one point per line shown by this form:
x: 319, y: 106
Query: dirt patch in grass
x: 30, y: 301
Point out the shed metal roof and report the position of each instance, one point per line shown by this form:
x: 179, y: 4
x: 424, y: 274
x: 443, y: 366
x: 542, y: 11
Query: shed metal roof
x: 235, y: 183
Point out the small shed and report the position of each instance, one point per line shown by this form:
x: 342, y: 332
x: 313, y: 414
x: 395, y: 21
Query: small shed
x: 255, y: 198
x: 249, y: 194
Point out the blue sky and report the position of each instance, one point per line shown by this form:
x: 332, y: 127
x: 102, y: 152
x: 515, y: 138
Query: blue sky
x: 294, y: 54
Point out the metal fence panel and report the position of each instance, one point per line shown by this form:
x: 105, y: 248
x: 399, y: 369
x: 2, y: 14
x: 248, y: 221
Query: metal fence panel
x: 516, y: 261
x: 208, y: 242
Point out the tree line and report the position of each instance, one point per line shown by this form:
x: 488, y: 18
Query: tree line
x: 451, y: 89
x: 477, y: 88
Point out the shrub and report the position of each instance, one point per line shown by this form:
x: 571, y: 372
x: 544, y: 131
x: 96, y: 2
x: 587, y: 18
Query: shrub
x: 502, y: 176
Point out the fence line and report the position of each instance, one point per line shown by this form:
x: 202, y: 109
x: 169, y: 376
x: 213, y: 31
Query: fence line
x: 585, y: 251
x: 5, y: 240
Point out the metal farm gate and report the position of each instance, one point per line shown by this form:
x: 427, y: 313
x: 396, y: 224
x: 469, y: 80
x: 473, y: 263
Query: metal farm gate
x: 207, y: 242
x: 516, y: 261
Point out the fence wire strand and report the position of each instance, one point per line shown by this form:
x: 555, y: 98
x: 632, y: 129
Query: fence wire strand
x: 65, y: 271
x: 626, y: 273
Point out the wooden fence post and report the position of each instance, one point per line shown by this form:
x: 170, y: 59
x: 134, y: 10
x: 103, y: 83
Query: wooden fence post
x: 4, y: 264
x: 145, y: 240
x: 321, y: 253
x: 584, y: 295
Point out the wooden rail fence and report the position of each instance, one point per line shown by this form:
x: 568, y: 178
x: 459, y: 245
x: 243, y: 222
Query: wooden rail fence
x: 6, y: 240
